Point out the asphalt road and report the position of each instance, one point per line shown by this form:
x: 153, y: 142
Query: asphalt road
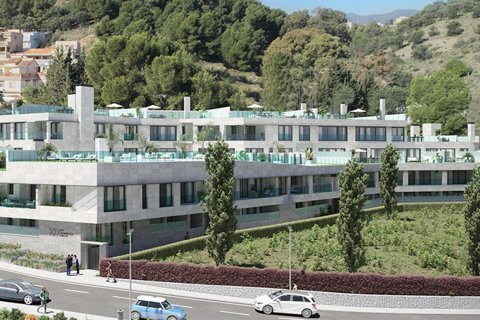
x: 104, y: 302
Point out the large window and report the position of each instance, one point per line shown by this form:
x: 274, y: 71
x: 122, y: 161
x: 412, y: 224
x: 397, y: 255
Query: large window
x: 59, y: 194
x: 56, y: 131
x: 370, y: 134
x: 144, y: 197
x: 304, y: 133
x: 459, y: 177
x: 332, y: 133
x: 19, y: 131
x: 163, y: 133
x: 398, y: 134
x: 166, y: 199
x: 114, y: 199
x: 187, y: 192
x: 285, y: 133
x: 130, y: 133
x: 5, y: 131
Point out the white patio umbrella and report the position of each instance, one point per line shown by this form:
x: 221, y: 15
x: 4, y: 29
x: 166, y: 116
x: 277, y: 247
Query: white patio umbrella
x: 360, y: 151
x: 114, y: 106
x: 153, y: 107
x: 358, y: 110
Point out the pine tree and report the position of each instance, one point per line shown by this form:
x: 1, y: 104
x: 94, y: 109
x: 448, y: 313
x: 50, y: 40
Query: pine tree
x: 219, y: 202
x: 388, y: 179
x: 351, y: 219
x: 472, y: 221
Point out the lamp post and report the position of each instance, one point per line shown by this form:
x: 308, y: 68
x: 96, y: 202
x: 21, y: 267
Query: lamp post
x: 129, y: 233
x: 289, y: 258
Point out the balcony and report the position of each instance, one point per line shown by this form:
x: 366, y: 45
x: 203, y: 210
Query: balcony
x: 20, y: 230
x: 298, y: 189
x: 37, y: 135
x: 323, y: 187
x: 398, y: 138
x: 163, y: 137
x: 19, y: 136
x: 5, y: 135
x: 285, y: 137
x: 14, y: 203
x: 426, y: 182
x: 168, y: 226
x: 366, y: 137
x: 245, y: 218
x: 129, y: 136
x: 245, y: 137
x: 252, y: 194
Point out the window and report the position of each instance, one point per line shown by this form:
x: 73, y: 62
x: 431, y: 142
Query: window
x: 144, y: 197
x: 297, y: 298
x: 285, y: 133
x: 244, y: 188
x: 153, y: 304
x: 19, y: 131
x: 332, y: 133
x: 130, y: 133
x: 187, y: 192
x: 142, y: 303
x: 11, y: 189
x: 99, y: 128
x: 5, y: 131
x: 104, y: 232
x: 304, y: 133
x: 285, y: 297
x: 370, y: 134
x: 114, y: 199
x: 56, y: 131
x: 163, y: 133
x: 166, y: 199
x: 59, y: 194
x: 398, y: 134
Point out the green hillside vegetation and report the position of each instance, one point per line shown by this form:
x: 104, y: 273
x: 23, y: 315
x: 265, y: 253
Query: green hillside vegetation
x: 421, y: 242
x: 231, y: 52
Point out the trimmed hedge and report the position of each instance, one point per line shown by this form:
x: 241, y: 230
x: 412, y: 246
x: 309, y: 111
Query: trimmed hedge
x: 361, y: 283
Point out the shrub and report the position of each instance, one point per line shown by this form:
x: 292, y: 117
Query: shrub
x: 421, y: 52
x: 454, y: 28
x: 433, y: 31
x: 30, y: 317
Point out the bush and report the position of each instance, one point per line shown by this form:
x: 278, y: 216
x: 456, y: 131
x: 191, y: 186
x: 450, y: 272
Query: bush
x: 421, y: 52
x: 433, y: 31
x: 30, y: 317
x: 454, y: 28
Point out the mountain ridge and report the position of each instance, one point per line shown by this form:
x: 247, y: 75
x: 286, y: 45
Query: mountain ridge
x: 383, y: 18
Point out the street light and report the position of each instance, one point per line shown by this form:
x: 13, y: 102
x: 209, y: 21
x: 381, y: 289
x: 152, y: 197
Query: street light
x: 289, y: 258
x: 129, y: 234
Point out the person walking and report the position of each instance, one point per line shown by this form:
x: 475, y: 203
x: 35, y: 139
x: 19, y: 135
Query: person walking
x: 43, y: 300
x: 77, y: 264
x: 187, y: 236
x: 110, y: 272
x: 68, y: 262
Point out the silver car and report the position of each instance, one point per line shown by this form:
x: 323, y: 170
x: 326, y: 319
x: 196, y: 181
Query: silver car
x: 19, y: 290
x: 290, y: 302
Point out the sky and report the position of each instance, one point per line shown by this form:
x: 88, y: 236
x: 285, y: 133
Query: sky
x: 360, y: 7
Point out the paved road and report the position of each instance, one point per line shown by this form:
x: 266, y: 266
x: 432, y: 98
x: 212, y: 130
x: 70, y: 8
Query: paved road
x: 104, y: 302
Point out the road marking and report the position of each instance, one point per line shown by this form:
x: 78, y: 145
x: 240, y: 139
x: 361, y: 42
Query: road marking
x: 237, y: 313
x: 186, y: 307
x: 77, y: 291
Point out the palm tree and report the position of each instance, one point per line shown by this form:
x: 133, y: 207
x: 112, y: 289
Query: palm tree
x: 113, y: 138
x: 46, y: 149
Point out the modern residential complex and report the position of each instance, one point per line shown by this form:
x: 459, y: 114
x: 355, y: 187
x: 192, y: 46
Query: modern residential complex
x: 84, y: 198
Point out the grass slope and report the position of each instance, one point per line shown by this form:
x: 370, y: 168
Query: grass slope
x: 421, y: 242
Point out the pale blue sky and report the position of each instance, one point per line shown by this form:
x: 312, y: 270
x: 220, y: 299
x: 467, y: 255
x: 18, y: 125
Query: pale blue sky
x: 361, y: 7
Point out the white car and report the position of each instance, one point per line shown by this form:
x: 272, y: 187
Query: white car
x: 290, y: 302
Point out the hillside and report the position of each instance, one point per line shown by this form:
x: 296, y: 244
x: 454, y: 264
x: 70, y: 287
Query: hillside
x: 465, y: 47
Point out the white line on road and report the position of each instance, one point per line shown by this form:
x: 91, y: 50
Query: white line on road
x: 77, y: 291
x: 237, y: 313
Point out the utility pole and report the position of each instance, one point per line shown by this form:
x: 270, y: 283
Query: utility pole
x: 129, y: 233
x: 289, y: 258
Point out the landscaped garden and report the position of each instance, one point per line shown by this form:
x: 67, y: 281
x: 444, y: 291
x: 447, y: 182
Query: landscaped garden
x: 428, y: 241
x: 12, y: 253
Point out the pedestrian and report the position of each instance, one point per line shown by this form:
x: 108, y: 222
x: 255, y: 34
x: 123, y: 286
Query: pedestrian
x: 77, y: 264
x: 110, y: 272
x: 187, y: 235
x: 295, y: 286
x: 68, y: 262
x: 43, y: 300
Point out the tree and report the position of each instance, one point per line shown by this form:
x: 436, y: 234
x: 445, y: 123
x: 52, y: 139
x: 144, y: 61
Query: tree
x: 219, y: 201
x: 113, y: 138
x: 472, y: 221
x: 388, y: 179
x: 351, y: 219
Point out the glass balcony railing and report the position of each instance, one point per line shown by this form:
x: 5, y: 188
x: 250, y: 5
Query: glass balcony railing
x: 168, y: 226
x: 37, y: 135
x: 102, y: 238
x: 316, y: 210
x: 323, y: 187
x: 253, y: 194
x: 191, y: 199
x: 298, y: 189
x: 58, y: 135
x: 19, y: 136
x: 25, y: 231
x: 129, y: 136
x: 245, y: 137
x: 5, y: 135
x: 426, y: 182
x: 14, y: 203
x: 285, y: 137
x: 244, y: 218
x: 398, y: 138
x: 362, y: 137
x: 115, y: 205
x: 163, y: 137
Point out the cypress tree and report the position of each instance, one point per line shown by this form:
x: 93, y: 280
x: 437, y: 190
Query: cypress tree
x: 219, y: 202
x: 351, y: 219
x: 472, y: 222
x: 388, y: 179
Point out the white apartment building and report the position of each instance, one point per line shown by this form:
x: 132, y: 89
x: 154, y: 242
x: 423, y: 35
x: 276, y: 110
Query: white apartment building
x: 83, y: 199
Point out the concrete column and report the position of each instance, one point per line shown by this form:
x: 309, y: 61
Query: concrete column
x: 310, y: 184
x: 471, y: 131
x: 405, y: 178
x: 49, y: 130
x: 289, y: 182
x: 103, y: 251
x: 176, y: 194
x: 343, y: 109
x: 444, y: 178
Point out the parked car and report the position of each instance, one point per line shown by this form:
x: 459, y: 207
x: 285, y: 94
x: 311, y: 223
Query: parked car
x: 156, y: 308
x: 290, y: 302
x: 20, y: 290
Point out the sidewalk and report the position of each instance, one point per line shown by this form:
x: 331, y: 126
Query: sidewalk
x: 244, y: 295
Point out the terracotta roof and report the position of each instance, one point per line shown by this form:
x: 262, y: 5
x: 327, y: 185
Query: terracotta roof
x: 18, y: 62
x: 39, y: 52
x: 26, y: 62
x: 11, y: 61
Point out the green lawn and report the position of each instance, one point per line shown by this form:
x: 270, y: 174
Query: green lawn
x: 423, y: 242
